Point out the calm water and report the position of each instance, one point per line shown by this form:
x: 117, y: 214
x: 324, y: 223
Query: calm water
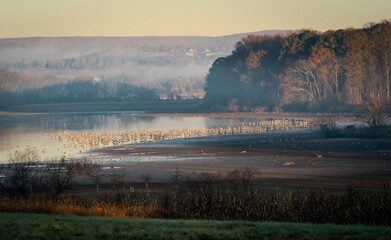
x: 36, y: 131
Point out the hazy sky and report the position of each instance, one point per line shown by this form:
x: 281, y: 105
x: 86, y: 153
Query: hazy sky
x: 26, y: 18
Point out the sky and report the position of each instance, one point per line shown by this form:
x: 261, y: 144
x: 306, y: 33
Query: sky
x: 52, y: 18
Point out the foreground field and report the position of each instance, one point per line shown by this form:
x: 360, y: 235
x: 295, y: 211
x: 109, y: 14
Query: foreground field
x: 39, y: 226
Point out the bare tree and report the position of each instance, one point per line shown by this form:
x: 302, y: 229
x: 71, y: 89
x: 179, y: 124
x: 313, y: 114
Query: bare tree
x: 95, y: 173
x: 306, y: 81
x: 20, y: 174
x: 147, y: 178
x: 209, y: 181
x: 61, y: 174
x: 123, y: 180
x: 374, y: 112
x: 114, y: 177
x: 176, y: 176
x: 242, y: 178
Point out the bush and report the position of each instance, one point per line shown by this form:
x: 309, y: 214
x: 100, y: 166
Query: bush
x: 20, y: 175
x: 374, y: 112
x: 25, y: 174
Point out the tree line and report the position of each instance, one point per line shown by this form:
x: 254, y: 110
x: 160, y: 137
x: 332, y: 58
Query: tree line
x: 305, y: 70
x: 80, y: 91
x: 16, y: 88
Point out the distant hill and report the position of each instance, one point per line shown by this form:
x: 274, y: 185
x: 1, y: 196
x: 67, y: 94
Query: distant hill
x: 55, y: 48
x: 171, y: 66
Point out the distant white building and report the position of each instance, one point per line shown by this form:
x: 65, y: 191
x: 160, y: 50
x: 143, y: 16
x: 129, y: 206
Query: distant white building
x: 193, y: 52
x: 190, y: 52
x: 96, y: 80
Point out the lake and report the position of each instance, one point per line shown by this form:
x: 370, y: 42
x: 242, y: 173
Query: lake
x: 45, y: 132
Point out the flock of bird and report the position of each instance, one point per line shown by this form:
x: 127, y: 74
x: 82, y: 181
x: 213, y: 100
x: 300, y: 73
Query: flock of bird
x: 86, y: 141
x: 73, y: 142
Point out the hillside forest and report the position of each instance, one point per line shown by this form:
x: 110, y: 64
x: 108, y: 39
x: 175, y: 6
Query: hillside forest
x: 306, y: 70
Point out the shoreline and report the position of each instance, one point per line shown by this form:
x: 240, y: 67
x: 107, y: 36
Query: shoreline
x: 255, y: 115
x: 4, y: 113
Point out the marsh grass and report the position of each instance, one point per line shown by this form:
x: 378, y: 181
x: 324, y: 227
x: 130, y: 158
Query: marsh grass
x: 219, y: 203
x: 235, y: 196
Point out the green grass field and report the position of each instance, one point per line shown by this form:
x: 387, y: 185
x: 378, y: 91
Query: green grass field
x: 40, y: 226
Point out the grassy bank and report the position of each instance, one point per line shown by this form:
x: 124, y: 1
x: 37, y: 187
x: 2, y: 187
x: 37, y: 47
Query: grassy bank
x: 39, y: 226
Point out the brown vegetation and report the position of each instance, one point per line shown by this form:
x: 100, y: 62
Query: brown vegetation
x: 304, y: 71
x: 25, y: 174
x: 216, y: 197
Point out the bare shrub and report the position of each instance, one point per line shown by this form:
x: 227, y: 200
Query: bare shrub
x: 242, y: 178
x: 114, y: 176
x: 95, y: 172
x: 60, y: 175
x: 147, y: 177
x: 20, y: 175
x: 176, y: 177
x: 208, y: 181
x: 327, y: 125
x: 374, y: 111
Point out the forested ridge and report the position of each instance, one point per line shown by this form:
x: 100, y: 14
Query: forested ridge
x: 306, y: 70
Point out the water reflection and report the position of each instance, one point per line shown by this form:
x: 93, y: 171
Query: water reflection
x: 32, y: 131
x: 72, y: 134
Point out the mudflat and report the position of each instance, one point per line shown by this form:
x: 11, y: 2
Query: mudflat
x: 290, y: 160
